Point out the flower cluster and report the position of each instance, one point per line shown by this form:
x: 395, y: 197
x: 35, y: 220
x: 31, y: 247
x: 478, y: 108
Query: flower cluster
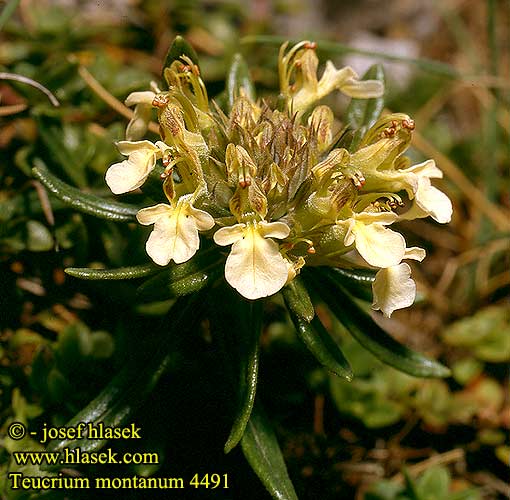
x: 274, y: 182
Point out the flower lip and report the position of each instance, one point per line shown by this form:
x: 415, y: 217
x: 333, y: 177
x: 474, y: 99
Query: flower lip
x: 130, y: 174
x: 255, y: 266
x: 175, y: 233
x: 393, y: 289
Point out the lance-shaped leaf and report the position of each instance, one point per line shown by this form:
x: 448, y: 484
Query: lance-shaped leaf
x: 298, y: 301
x: 263, y: 453
x: 239, y: 78
x: 370, y: 335
x: 358, y: 282
x: 180, y: 47
x: 117, y: 403
x: 85, y: 202
x: 54, y: 139
x: 363, y: 113
x: 122, y: 273
x: 182, y: 279
x: 322, y: 346
x: 247, y: 340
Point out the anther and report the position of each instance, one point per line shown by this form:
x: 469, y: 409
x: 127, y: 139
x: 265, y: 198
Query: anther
x: 409, y: 124
x: 311, y: 45
x: 311, y: 250
x: 358, y: 180
x: 160, y: 101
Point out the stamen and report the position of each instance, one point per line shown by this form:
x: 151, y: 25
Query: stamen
x: 358, y: 180
x: 160, y: 101
x: 408, y: 124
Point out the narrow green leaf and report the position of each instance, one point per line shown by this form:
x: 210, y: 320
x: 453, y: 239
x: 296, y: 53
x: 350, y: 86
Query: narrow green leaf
x: 84, y: 202
x: 363, y: 113
x: 122, y: 273
x: 182, y: 279
x: 180, y: 47
x: 52, y: 137
x: 322, y: 346
x: 239, y: 78
x: 410, y: 486
x: 263, y: 453
x: 117, y: 403
x: 298, y: 301
x: 358, y: 282
x: 248, y: 345
x: 370, y: 335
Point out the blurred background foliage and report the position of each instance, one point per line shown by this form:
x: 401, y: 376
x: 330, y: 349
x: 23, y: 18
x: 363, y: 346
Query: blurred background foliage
x: 384, y: 435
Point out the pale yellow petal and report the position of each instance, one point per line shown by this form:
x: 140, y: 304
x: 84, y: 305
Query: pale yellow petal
x: 203, y: 220
x: 378, y: 245
x: 349, y: 234
x: 130, y: 174
x: 150, y: 215
x: 157, y: 246
x: 384, y: 218
x: 362, y: 89
x: 174, y: 237
x: 434, y: 202
x: 138, y: 125
x: 393, y: 289
x: 145, y: 97
x: 415, y: 253
x: 128, y: 147
x: 255, y: 267
x: 228, y: 235
x: 278, y: 230
x: 426, y: 169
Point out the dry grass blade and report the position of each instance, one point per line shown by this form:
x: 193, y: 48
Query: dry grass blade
x: 12, y: 110
x: 448, y: 457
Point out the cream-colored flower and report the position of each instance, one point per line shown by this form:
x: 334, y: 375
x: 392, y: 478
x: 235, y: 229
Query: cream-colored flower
x: 255, y: 266
x: 142, y: 101
x: 416, y: 181
x: 345, y: 79
x: 393, y: 289
x: 175, y: 235
x: 131, y: 173
x: 378, y: 245
x: 429, y: 200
